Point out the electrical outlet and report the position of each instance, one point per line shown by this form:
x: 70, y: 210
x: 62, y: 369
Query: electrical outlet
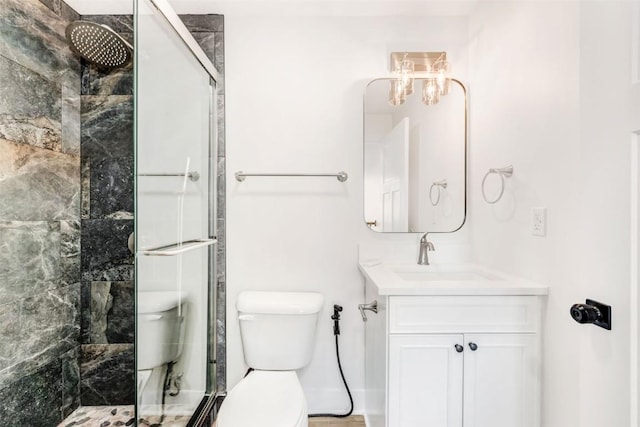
x: 539, y: 221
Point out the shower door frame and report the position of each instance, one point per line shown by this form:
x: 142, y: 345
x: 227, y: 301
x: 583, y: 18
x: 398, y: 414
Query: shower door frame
x: 215, y: 387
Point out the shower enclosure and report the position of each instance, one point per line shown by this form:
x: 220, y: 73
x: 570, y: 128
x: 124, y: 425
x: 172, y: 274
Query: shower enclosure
x: 175, y: 221
x: 69, y: 310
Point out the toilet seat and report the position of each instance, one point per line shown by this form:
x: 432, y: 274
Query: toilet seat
x: 265, y: 398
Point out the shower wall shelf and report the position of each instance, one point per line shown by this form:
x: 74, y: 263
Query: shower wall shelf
x: 342, y: 176
x: 179, y: 248
x: 193, y: 176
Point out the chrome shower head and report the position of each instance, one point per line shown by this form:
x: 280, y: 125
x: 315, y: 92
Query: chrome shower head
x: 98, y: 44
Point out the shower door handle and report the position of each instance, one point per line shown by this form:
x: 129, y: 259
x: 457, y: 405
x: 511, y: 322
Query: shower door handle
x: 372, y: 306
x: 179, y: 248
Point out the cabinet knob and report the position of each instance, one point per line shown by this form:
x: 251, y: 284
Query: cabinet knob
x: 459, y: 348
x: 473, y: 346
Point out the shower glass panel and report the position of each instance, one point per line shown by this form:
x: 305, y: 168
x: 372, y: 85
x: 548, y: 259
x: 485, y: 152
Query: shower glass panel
x: 174, y: 234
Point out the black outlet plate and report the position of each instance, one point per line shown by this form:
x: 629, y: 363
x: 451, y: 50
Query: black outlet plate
x: 605, y: 311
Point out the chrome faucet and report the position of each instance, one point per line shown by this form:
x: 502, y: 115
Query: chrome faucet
x: 425, y: 247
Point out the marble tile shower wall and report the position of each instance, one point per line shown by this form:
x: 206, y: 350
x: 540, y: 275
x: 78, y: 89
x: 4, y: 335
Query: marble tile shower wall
x: 66, y: 177
x: 39, y: 214
x: 107, y: 356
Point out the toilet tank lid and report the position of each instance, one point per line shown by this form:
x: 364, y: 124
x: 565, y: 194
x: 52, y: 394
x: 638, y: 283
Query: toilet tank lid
x: 158, y: 301
x: 279, y: 302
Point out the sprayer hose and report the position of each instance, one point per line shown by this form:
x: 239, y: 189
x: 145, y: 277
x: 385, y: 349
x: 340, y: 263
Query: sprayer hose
x: 344, y: 381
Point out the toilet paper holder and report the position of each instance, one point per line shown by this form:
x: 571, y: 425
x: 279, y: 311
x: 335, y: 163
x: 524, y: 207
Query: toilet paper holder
x: 593, y: 312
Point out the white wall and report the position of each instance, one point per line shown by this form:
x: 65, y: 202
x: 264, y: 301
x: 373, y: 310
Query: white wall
x: 550, y: 95
x: 294, y: 103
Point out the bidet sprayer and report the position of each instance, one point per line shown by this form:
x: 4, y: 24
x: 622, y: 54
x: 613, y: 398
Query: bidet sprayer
x: 336, y: 319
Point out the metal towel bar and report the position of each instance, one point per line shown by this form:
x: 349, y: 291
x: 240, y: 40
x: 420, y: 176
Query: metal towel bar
x: 179, y: 248
x: 193, y: 176
x: 342, y: 176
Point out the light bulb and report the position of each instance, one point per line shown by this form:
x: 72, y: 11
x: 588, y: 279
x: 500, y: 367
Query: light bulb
x: 442, y: 71
x: 397, y: 94
x: 430, y: 92
x: 406, y: 75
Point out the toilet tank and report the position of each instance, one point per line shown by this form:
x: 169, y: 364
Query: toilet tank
x: 161, y: 320
x: 278, y: 329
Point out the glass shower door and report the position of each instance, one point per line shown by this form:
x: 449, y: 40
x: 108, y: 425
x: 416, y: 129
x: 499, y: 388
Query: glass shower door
x: 174, y: 231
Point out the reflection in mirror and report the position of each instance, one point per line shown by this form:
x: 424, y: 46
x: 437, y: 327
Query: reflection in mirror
x: 414, y: 159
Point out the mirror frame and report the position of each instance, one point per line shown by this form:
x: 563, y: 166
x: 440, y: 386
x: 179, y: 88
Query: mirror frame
x: 465, y: 92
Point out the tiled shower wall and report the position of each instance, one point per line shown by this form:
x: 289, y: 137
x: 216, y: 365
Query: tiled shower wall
x: 39, y: 214
x: 107, y: 365
x: 107, y: 357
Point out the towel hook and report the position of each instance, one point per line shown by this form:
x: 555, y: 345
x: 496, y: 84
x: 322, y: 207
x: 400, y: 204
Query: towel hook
x: 439, y: 185
x: 504, y: 172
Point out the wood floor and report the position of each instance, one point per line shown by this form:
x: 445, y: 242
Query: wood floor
x: 352, y: 421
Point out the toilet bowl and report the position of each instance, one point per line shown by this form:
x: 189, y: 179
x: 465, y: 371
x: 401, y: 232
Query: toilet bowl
x: 265, y: 398
x: 143, y: 379
x: 278, y: 335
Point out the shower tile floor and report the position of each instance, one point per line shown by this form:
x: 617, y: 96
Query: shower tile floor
x: 100, y: 416
x: 169, y: 421
x: 115, y: 416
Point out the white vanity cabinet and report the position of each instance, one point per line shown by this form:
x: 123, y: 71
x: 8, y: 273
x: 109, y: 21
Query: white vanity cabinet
x: 453, y: 360
x: 425, y: 380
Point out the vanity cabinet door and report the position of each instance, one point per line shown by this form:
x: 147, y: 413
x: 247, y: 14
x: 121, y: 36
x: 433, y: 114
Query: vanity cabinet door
x: 425, y: 380
x: 501, y: 380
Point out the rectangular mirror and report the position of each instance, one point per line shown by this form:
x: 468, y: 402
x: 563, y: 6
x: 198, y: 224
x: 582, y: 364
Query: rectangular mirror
x: 415, y: 157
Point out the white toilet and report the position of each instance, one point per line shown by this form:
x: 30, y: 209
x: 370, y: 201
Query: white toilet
x: 278, y: 336
x: 161, y: 326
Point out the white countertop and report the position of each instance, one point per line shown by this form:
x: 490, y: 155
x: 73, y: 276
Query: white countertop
x: 445, y: 279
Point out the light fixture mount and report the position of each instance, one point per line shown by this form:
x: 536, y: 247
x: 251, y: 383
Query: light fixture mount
x: 423, y: 62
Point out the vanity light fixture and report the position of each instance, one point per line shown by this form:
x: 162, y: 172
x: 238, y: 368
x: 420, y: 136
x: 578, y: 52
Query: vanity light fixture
x: 430, y: 67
